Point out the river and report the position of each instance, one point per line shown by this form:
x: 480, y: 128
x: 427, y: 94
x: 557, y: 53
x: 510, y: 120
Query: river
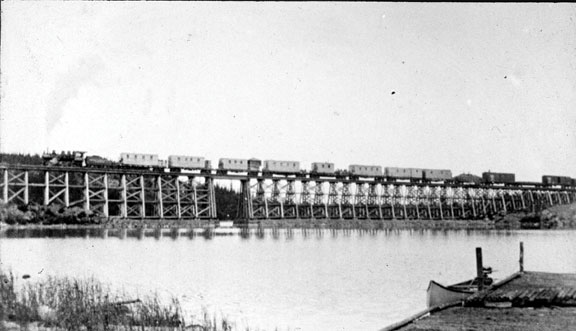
x: 296, y: 280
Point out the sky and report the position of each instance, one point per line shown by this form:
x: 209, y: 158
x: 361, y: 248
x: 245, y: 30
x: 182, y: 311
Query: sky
x: 466, y: 87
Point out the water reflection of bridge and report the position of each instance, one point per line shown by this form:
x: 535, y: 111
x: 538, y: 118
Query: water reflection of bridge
x: 211, y: 232
x: 143, y: 194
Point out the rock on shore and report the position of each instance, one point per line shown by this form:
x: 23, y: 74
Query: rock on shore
x: 556, y: 217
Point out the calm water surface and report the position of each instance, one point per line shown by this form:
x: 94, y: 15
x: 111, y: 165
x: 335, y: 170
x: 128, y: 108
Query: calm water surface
x: 297, y: 280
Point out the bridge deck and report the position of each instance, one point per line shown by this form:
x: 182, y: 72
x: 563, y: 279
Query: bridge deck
x: 244, y: 176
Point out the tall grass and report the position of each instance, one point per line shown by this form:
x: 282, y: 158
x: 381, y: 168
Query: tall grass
x: 72, y: 304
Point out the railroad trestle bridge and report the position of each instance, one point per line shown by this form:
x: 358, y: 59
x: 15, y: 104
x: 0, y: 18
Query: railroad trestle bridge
x: 141, y: 194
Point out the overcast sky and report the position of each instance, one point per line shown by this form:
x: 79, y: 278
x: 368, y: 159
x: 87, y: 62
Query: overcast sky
x: 467, y: 87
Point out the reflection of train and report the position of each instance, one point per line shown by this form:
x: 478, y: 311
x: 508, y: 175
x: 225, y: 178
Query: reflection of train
x: 269, y: 168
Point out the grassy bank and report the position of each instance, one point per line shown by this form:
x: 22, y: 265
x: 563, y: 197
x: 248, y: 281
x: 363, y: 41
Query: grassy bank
x: 73, y: 304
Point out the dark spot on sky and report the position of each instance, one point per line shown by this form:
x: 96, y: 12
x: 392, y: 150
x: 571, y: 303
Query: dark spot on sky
x: 505, y: 77
x: 403, y: 62
x: 393, y: 92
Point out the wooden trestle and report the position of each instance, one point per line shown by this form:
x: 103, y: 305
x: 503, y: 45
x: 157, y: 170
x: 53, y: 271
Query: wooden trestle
x: 341, y: 199
x: 129, y: 193
x: 114, y: 193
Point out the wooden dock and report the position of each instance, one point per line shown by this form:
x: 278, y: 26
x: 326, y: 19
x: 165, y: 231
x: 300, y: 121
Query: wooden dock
x: 526, y: 300
x: 529, y: 289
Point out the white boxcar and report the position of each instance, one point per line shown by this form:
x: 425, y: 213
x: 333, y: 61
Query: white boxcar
x: 437, y: 174
x: 139, y: 160
x: 365, y: 170
x: 233, y: 164
x: 416, y: 173
x: 323, y: 168
x: 289, y: 167
x: 398, y: 173
x: 186, y: 162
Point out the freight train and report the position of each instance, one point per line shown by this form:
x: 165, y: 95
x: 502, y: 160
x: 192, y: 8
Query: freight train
x: 270, y: 168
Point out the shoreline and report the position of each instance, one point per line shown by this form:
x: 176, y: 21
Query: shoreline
x: 556, y: 217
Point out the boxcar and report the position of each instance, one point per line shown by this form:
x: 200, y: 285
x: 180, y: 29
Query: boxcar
x: 549, y: 180
x: 565, y: 181
x: 365, y: 170
x: 416, y: 174
x: 186, y: 162
x: 398, y: 173
x: 556, y: 180
x: 233, y: 164
x: 281, y: 167
x: 139, y: 160
x: 498, y: 178
x: 433, y: 175
x: 322, y: 168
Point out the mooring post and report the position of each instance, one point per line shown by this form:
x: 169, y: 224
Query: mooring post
x: 479, y: 269
x: 521, y: 256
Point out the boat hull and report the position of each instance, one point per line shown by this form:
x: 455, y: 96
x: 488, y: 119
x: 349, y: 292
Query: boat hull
x: 439, y: 295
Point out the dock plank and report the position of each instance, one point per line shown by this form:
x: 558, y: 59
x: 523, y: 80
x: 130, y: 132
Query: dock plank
x: 531, y: 289
x: 495, y: 319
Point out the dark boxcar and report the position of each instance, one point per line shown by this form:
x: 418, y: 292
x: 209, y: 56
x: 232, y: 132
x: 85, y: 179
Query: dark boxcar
x: 549, y: 180
x: 498, y: 178
x: 556, y: 180
x: 563, y: 180
x: 437, y: 174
